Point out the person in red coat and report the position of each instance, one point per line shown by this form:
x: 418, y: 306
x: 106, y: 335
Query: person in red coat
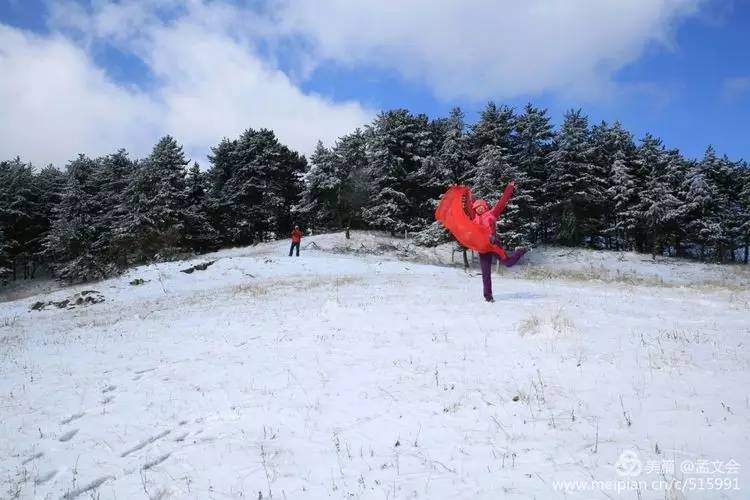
x: 486, y: 217
x: 296, y: 239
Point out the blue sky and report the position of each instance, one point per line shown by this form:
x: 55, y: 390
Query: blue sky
x: 94, y: 76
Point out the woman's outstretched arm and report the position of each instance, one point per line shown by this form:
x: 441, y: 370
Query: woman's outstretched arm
x: 500, y: 205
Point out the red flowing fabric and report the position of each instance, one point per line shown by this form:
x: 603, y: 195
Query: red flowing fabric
x: 455, y: 213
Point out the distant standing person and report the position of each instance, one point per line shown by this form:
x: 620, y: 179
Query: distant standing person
x: 296, y: 239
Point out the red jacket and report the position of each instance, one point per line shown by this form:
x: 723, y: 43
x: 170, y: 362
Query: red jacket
x: 489, y: 218
x: 296, y: 236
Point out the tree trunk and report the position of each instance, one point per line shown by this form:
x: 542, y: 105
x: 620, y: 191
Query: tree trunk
x: 466, y: 259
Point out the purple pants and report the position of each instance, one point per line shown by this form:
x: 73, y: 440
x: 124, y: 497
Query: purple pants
x: 485, y: 263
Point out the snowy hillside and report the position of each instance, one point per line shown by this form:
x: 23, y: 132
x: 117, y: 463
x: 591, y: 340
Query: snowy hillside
x: 369, y: 368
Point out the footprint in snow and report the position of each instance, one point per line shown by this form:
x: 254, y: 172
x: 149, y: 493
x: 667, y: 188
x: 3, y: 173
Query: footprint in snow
x: 109, y: 388
x: 139, y: 373
x: 68, y: 436
x: 85, y: 489
x: 156, y: 461
x: 144, y: 443
x: 32, y: 458
x: 45, y: 477
x: 75, y: 416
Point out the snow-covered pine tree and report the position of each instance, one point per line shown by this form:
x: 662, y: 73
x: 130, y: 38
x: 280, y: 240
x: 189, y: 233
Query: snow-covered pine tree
x: 22, y: 215
x: 196, y: 184
x: 495, y: 148
x: 573, y: 186
x: 614, y: 153
x: 51, y: 182
x: 659, y: 204
x: 497, y: 168
x: 5, y: 261
x: 703, y: 201
x: 598, y: 204
x: 68, y: 245
x: 397, y: 145
x: 336, y: 184
x: 447, y: 166
x: 494, y: 128
x: 320, y: 196
x: 533, y: 133
x: 350, y: 158
x: 112, y: 176
x: 735, y: 215
x: 156, y: 203
x: 199, y: 234
x: 649, y: 156
x: 451, y: 163
x: 492, y: 149
x: 743, y: 179
x: 724, y: 176
x: 218, y: 202
x: 256, y: 181
x: 286, y: 187
x: 677, y: 169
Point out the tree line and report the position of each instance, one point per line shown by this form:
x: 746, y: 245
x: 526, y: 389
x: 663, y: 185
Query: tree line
x: 579, y: 185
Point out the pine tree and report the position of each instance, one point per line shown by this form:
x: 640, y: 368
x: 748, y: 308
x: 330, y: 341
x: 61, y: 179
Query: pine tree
x: 22, y: 215
x: 533, y: 133
x: 218, y: 204
x: 199, y: 234
x: 112, y: 176
x: 155, y: 203
x: 615, y: 153
x: 351, y: 164
x: 5, y: 261
x: 255, y: 183
x: 492, y: 151
x: 659, y: 204
x: 452, y: 164
x: 573, y: 186
x: 449, y: 164
x: 51, y: 182
x: 496, y: 168
x: 320, y: 197
x: 723, y: 175
x: 68, y: 245
x: 735, y: 216
x: 494, y: 128
x: 704, y: 226
x: 397, y: 145
x: 743, y: 179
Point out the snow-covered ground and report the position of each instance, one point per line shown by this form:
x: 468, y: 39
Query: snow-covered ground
x: 368, y: 368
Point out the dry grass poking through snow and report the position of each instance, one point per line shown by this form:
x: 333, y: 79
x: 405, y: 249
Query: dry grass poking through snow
x: 556, y: 323
x: 728, y: 280
x: 265, y: 287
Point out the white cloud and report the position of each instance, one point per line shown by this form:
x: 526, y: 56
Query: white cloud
x: 489, y: 48
x: 208, y: 84
x: 210, y: 81
x: 57, y: 104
